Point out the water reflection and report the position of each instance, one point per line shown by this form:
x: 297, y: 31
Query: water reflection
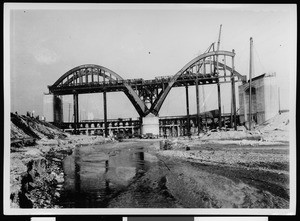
x: 77, y: 176
x: 92, y: 177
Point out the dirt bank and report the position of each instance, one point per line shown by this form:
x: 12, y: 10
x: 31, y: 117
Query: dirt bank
x: 200, y: 185
x: 37, y: 176
x: 37, y: 151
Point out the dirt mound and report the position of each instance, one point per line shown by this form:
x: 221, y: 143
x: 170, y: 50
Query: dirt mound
x: 279, y: 122
x: 276, y: 128
x: 25, y: 128
x: 232, y: 135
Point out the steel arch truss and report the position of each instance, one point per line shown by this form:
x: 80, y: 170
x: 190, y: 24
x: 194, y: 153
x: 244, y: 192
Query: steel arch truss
x: 207, y: 68
x: 92, y: 78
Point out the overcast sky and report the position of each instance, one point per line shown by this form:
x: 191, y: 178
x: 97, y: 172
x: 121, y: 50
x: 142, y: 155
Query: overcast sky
x: 49, y: 40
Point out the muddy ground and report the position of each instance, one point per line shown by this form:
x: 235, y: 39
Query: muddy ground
x: 202, y: 176
x: 188, y: 181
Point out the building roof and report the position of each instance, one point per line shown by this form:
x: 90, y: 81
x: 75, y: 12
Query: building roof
x: 258, y: 77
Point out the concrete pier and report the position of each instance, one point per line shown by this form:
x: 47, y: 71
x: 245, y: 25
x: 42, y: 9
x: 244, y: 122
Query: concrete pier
x: 150, y: 124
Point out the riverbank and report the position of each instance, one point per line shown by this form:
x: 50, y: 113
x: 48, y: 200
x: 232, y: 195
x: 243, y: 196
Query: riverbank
x: 37, y: 151
x: 36, y: 173
x: 259, y: 172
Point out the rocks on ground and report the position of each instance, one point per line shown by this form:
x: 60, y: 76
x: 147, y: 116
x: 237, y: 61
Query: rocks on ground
x: 264, y: 148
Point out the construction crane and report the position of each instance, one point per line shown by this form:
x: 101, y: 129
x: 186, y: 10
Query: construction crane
x: 218, y: 84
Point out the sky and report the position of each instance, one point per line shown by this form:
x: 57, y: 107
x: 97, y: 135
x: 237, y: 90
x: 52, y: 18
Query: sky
x: 47, y: 40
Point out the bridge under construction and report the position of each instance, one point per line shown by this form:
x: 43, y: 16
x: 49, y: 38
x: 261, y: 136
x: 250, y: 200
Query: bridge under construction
x: 147, y: 96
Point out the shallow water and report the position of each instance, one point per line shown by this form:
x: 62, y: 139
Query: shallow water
x: 130, y: 177
x: 93, y: 176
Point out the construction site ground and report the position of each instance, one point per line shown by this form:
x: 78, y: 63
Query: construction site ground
x: 225, y: 169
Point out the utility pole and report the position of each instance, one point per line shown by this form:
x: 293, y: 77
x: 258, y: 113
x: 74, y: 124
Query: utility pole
x: 250, y: 82
x: 233, y: 103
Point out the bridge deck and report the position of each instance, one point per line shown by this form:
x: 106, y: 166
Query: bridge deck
x: 137, y: 84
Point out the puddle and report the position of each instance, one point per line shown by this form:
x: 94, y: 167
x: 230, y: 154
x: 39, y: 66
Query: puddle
x: 93, y: 177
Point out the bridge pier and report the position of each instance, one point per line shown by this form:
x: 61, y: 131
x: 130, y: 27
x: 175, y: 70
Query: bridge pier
x: 198, y: 108
x: 150, y: 124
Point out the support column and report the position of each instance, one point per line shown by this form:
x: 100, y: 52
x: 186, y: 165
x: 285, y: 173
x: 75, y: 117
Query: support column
x: 250, y: 82
x: 105, y: 114
x: 187, y: 109
x: 75, y: 103
x: 231, y: 108
x: 219, y: 102
x: 198, y: 107
x: 233, y: 94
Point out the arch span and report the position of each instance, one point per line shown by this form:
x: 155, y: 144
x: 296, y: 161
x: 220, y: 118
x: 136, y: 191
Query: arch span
x: 91, y: 78
x: 196, y: 63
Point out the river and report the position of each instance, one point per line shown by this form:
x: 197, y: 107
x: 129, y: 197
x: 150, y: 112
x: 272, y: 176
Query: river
x: 94, y: 176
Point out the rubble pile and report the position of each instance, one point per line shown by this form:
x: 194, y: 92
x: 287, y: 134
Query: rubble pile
x: 232, y: 135
x: 274, y: 130
x: 35, y: 172
x: 175, y: 144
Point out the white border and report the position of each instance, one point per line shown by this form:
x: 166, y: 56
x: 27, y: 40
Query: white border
x: 231, y: 218
x: 6, y: 81
x: 120, y: 211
